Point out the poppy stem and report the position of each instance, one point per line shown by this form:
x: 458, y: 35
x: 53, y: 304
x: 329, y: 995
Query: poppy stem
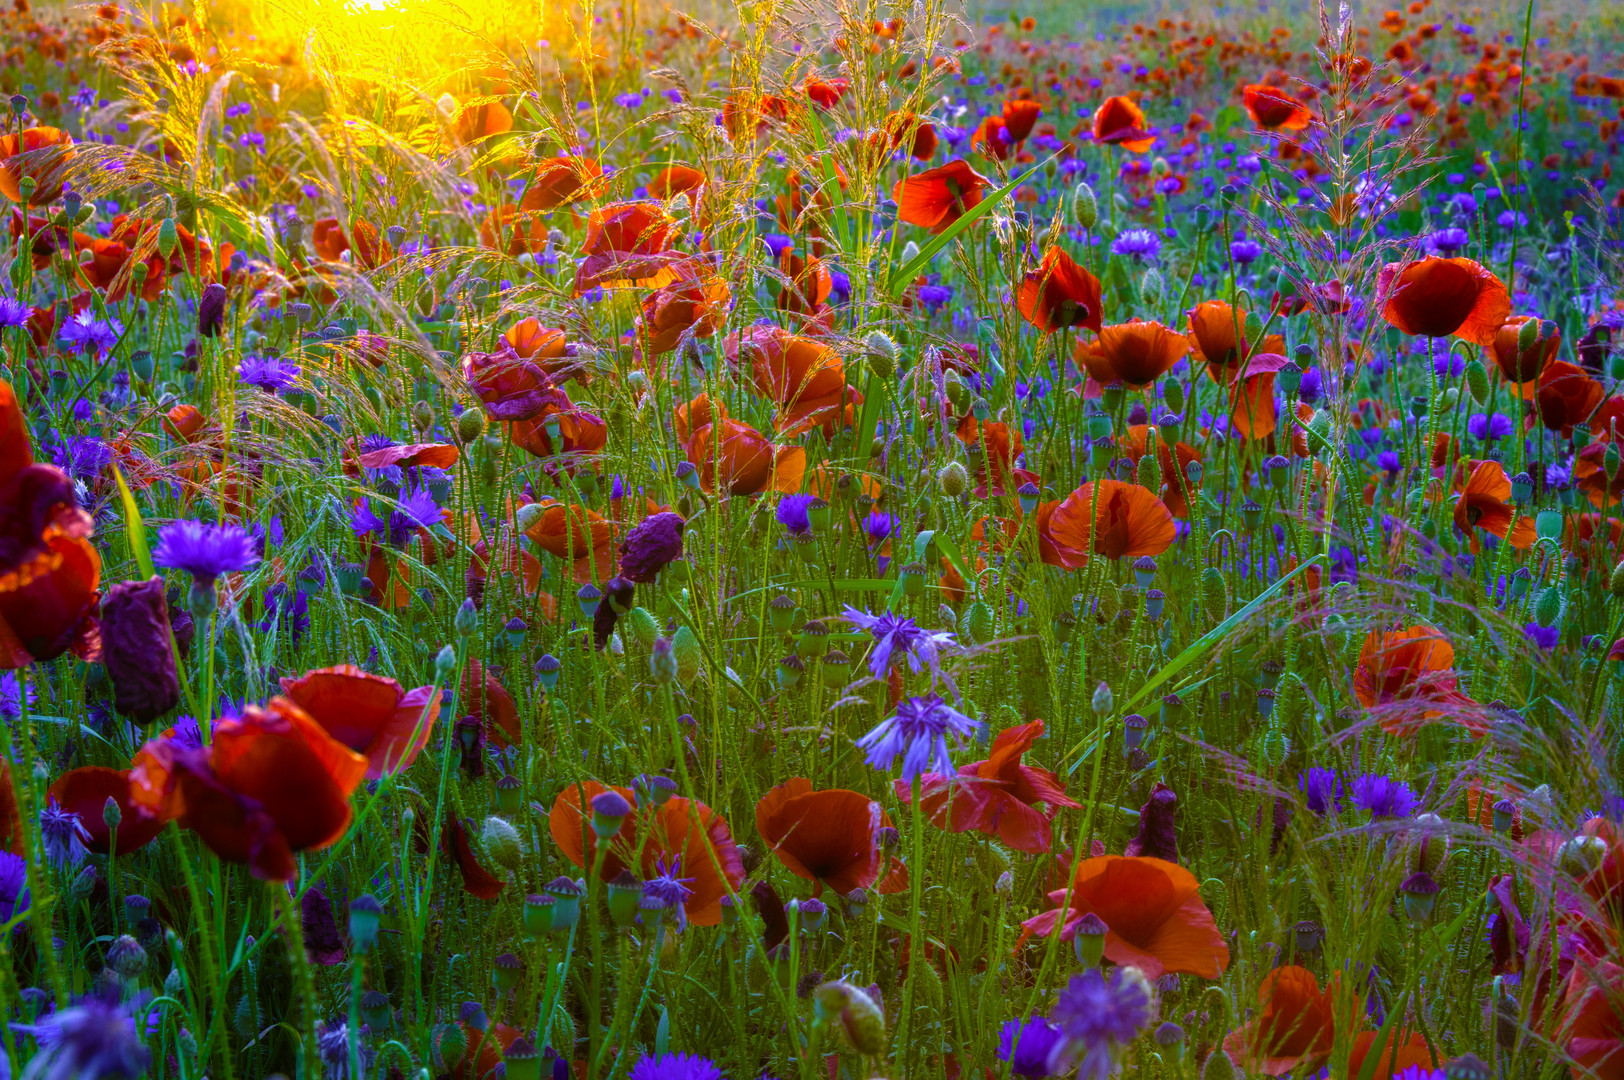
x: 916, y: 884
x: 293, y: 927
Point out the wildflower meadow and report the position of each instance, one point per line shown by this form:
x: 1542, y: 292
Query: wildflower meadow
x: 851, y: 540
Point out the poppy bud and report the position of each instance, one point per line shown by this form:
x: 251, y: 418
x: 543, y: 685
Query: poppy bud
x: 882, y: 353
x: 470, y: 425
x: 1420, y: 893
x: 1088, y: 943
x: 977, y: 623
x: 445, y: 663
x: 1085, y: 207
x: 953, y: 479
x: 168, y: 238
x: 501, y: 842
x: 1173, y: 391
x: 450, y: 1044
x: 1528, y: 335
x: 365, y: 916
x: 860, y: 1017
x: 211, y: 310
x: 642, y: 628
x: 1149, y: 473
x: 136, y: 650
x: 1582, y: 856
x: 1218, y: 1067
x: 466, y: 620
x: 1151, y: 287
x: 1548, y: 608
x: 685, y: 649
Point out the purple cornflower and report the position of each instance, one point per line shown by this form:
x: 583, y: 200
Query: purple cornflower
x: 1383, y: 796
x: 417, y: 510
x: 84, y: 331
x: 792, y: 512
x: 1488, y: 426
x: 1096, y: 1016
x: 1027, y: 1045
x: 1137, y: 244
x: 94, y: 1039
x: 1245, y: 252
x: 934, y: 296
x: 270, y: 373
x: 1448, y: 241
x: 1545, y: 637
x: 205, y: 551
x: 12, y: 312
x: 11, y: 697
x: 13, y: 886
x: 672, y: 890
x: 1322, y: 790
x: 1420, y: 1072
x: 63, y: 835
x: 896, y: 635
x: 877, y: 526
x: 918, y: 732
x: 675, y: 1067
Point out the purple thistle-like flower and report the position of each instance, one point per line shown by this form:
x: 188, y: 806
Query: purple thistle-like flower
x: 1383, y: 796
x: 1545, y: 637
x: 363, y: 522
x: 896, y: 636
x: 878, y: 526
x: 85, y: 332
x: 12, y: 312
x: 13, y: 886
x: 1137, y: 244
x: 270, y: 373
x: 1027, y: 1045
x: 94, y: 1039
x: 63, y: 835
x: 11, y: 697
x: 670, y: 889
x: 417, y: 510
x: 205, y: 551
x: 675, y: 1067
x: 917, y: 732
x: 1097, y: 1015
x: 792, y: 512
x: 1488, y: 426
x: 652, y: 545
x: 1322, y: 790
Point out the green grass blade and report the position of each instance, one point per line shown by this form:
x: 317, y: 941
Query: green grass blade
x: 135, y: 529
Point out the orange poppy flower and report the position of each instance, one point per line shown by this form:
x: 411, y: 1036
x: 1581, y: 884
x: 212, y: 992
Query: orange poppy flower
x: 560, y: 180
x: 1121, y: 122
x: 1217, y: 335
x: 1135, y: 353
x: 476, y: 880
x: 1293, y: 1026
x: 1000, y: 444
x: 690, y: 416
x: 1437, y: 297
x: 367, y: 250
x: 748, y: 462
x: 694, y: 302
x: 742, y: 117
x: 626, y: 245
x: 85, y: 791
x: 40, y: 153
x: 1274, y: 109
x: 1566, y: 395
x: 665, y: 835
x: 810, y: 283
x: 1590, y: 1025
x: 1406, y: 678
x: 512, y: 231
x: 1483, y: 504
x: 49, y: 571
x: 183, y: 422
x: 577, y: 432
x: 992, y: 138
x: 484, y: 120
x: 936, y: 198
x: 801, y: 375
x: 1060, y: 295
x: 571, y: 532
x: 1001, y: 796
x: 271, y: 783
x: 368, y: 713
x: 1251, y: 401
x: 1134, y: 445
x: 828, y: 837
x: 1522, y: 367
x: 106, y: 262
x: 675, y: 180
x: 1129, y: 521
x: 1020, y: 116
x: 1401, y: 1050
x: 1590, y: 477
x: 921, y: 144
x: 825, y: 93
x: 1154, y: 916
x: 530, y: 340
x: 45, y: 239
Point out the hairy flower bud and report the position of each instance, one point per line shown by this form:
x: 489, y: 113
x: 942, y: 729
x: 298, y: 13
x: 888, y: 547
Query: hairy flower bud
x: 1085, y: 207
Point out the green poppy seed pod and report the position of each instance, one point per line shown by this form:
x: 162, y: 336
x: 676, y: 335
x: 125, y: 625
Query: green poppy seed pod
x: 977, y: 623
x: 1477, y: 381
x: 1085, y: 207
x: 445, y: 663
x: 1528, y: 335
x: 882, y: 352
x: 466, y: 620
x: 1285, y: 284
x: 168, y: 237
x: 1275, y: 747
x: 1548, y: 524
x: 502, y: 843
x: 639, y: 624
x: 366, y: 914
x: 422, y: 416
x: 1151, y: 287
x: 1103, y: 701
x: 1420, y: 893
x: 685, y: 649
x: 954, y: 478
x: 860, y: 1017
x: 1548, y: 608
x: 1218, y: 1067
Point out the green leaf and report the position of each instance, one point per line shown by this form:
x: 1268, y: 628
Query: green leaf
x: 900, y: 279
x: 134, y: 529
x: 831, y: 183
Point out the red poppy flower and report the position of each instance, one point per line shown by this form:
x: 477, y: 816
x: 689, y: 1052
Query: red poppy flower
x: 1060, y: 295
x: 1020, y: 116
x: 1523, y: 367
x: 748, y: 462
x: 828, y: 837
x: 1483, y: 504
x: 1293, y: 1026
x: 271, y: 783
x: 1274, y: 109
x: 1217, y: 335
x: 1437, y: 297
x: 1402, y: 1050
x: 85, y: 791
x: 1153, y: 912
x: 675, y: 180
x: 1121, y: 122
x: 1590, y: 477
x: 825, y: 93
x: 922, y: 141
x: 49, y: 572
x: 1566, y: 395
x: 992, y: 138
x: 1406, y: 678
x: 1251, y: 400
x: 742, y: 117
x: 45, y: 239
x: 809, y: 285
x: 368, y: 713
x: 482, y: 120
x: 484, y: 696
x: 665, y: 835
x: 577, y: 432
x: 1128, y: 521
x: 636, y: 228
x: 1175, y: 476
x: 936, y: 198
x: 431, y: 455
x: 1590, y: 1021
x: 569, y: 533
x: 694, y: 303
x: 560, y: 180
x: 512, y: 231
x: 367, y: 250
x: 1135, y: 353
x: 1001, y: 796
x: 40, y: 153
x: 11, y: 832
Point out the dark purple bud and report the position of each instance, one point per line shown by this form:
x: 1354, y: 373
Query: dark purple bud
x: 652, y: 544
x: 211, y: 310
x: 1157, y: 837
x: 136, y: 650
x: 322, y: 944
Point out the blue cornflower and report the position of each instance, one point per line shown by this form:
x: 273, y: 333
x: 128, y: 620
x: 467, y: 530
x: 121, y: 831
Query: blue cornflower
x: 1383, y: 796
x: 13, y: 312
x: 13, y: 886
x: 333, y: 1044
x: 94, y: 1039
x: 84, y: 331
x: 675, y: 1067
x: 63, y: 835
x: 1137, y: 244
x: 1420, y: 1072
x: 1322, y: 790
x: 363, y: 522
x: 270, y: 373
x: 1245, y: 252
x: 1027, y: 1045
x: 666, y: 886
x: 11, y: 697
x: 1448, y: 241
x: 1545, y: 637
x: 205, y: 551
x: 934, y: 296
x: 792, y: 512
x: 918, y: 732
x: 1097, y: 1015
x: 896, y: 636
x: 417, y: 510
x: 877, y: 525
x: 1488, y: 426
